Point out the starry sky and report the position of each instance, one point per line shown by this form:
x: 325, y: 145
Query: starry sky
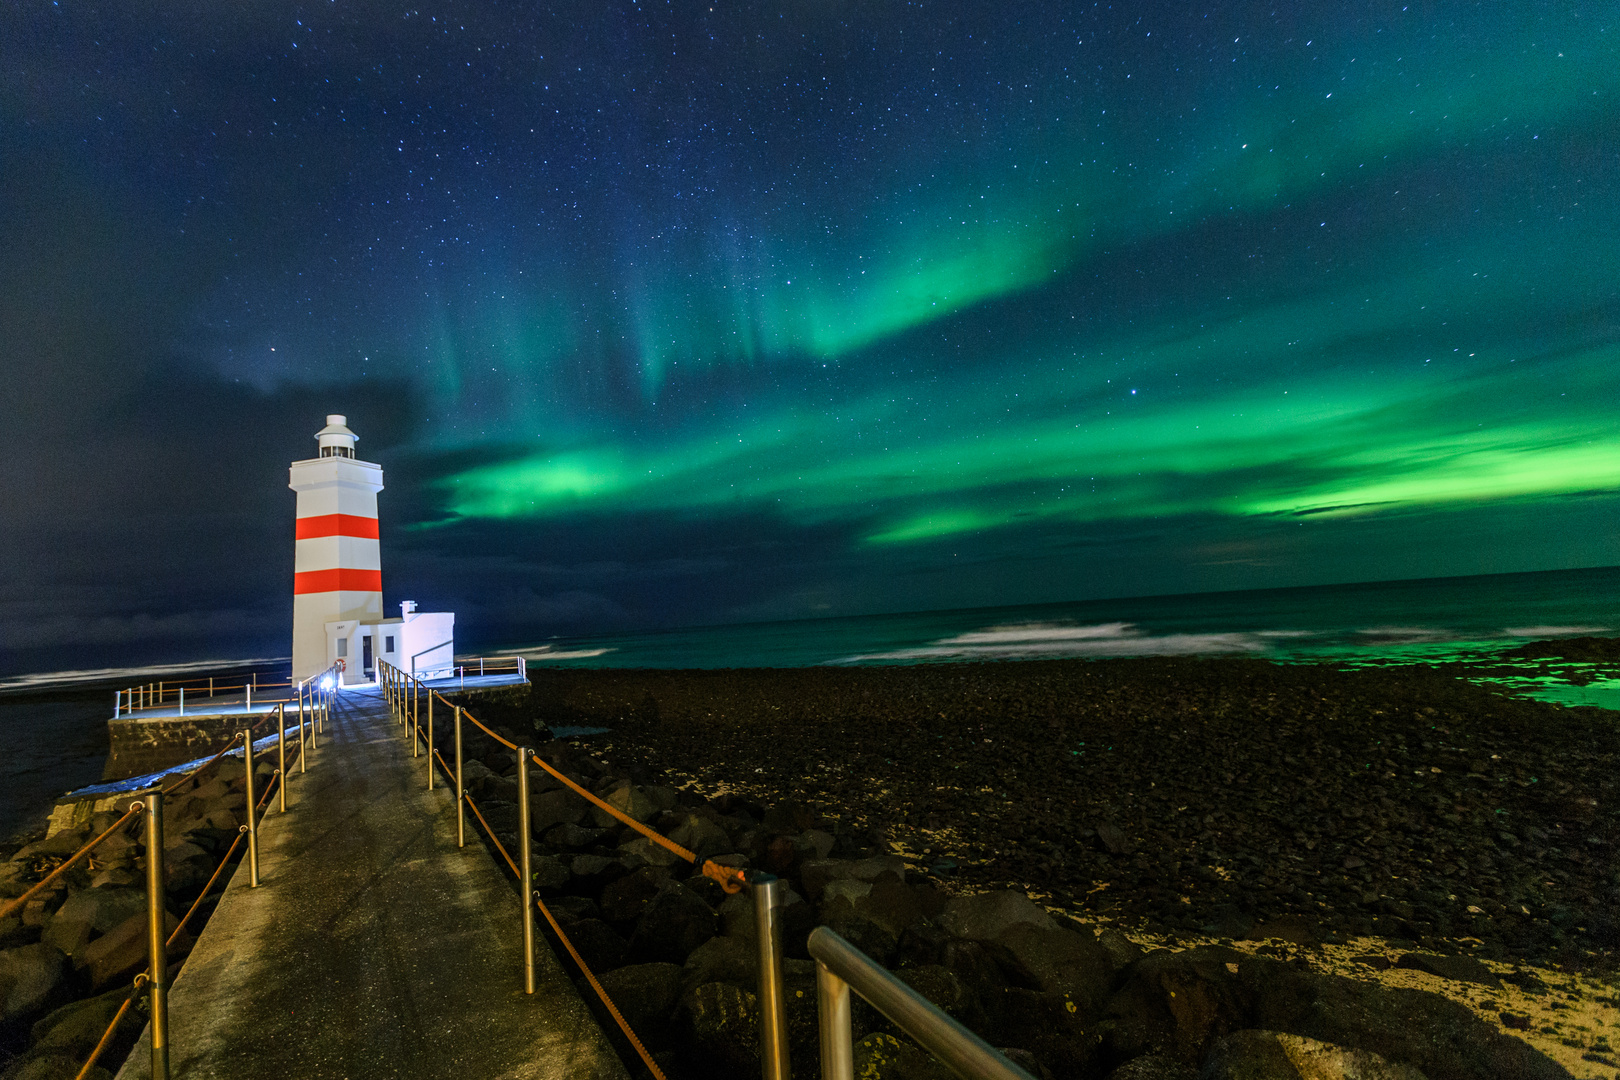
x: 659, y: 314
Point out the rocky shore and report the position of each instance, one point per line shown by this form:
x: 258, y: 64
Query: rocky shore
x: 68, y: 957
x: 1240, y: 812
x: 1115, y: 869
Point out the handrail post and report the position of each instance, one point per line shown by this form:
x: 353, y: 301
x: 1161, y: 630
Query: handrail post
x: 252, y: 818
x: 305, y: 692
x: 767, y: 890
x: 416, y: 713
x: 281, y: 753
x: 157, y: 938
x: 182, y: 701
x: 526, y: 870
x: 430, y: 741
x: 461, y: 792
x: 837, y: 1040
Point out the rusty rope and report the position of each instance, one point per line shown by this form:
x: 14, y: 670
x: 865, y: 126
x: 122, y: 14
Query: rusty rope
x: 225, y: 861
x: 729, y: 877
x: 106, y: 1036
x: 145, y: 977
x: 613, y: 1010
x: 222, y: 752
x: 569, y: 945
x: 498, y: 845
x: 77, y: 855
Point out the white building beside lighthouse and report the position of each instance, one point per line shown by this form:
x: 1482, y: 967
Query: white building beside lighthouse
x: 337, y: 573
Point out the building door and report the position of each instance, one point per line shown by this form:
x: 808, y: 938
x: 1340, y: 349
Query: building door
x: 365, y: 654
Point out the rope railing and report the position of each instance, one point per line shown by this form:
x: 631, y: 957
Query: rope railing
x: 143, y: 978
x: 167, y: 694
x: 313, y: 698
x: 840, y: 966
x: 68, y: 864
x: 402, y: 691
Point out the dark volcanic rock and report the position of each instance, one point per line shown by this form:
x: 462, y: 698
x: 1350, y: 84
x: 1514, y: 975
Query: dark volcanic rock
x: 721, y: 1023
x: 1441, y: 1037
x: 645, y: 995
x: 881, y: 1056
x: 1154, y: 1067
x: 1062, y: 962
x: 673, y: 923
x: 985, y: 916
x: 598, y: 945
x: 1460, y: 968
x: 1256, y: 790
x: 30, y: 978
x: 1177, y: 1005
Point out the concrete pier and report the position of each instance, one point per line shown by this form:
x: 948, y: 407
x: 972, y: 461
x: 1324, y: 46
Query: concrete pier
x: 374, y: 947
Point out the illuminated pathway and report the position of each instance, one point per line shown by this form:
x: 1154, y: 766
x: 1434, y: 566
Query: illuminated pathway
x: 373, y: 947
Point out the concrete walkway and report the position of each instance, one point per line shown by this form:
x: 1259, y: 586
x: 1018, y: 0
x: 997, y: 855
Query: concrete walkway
x: 373, y: 947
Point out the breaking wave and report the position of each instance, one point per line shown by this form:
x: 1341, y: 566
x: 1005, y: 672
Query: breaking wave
x: 1057, y: 641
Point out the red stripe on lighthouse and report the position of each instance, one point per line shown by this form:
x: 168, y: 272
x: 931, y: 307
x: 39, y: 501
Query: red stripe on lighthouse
x: 343, y: 578
x: 310, y: 528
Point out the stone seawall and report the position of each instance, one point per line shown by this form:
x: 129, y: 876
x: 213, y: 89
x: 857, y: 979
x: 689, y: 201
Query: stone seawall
x: 139, y: 746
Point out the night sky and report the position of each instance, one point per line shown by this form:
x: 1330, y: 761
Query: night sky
x: 661, y: 314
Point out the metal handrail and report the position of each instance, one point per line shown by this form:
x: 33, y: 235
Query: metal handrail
x: 841, y: 967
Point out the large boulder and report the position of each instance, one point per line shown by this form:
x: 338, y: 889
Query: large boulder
x: 1271, y: 1055
x: 701, y: 836
x: 598, y: 945
x: 555, y: 808
x: 673, y: 923
x: 624, y: 899
x: 721, y: 1024
x: 1177, y: 1005
x: 1051, y: 1028
x: 632, y: 800
x: 75, y: 1028
x: 30, y: 977
x: 1154, y: 1067
x: 650, y: 853
x: 121, y: 952
x: 645, y: 995
x: 550, y: 875
x: 573, y: 837
x: 881, y: 1056
x: 1458, y: 968
x: 985, y: 916
x: 816, y: 873
x: 91, y: 911
x: 722, y: 959
x: 1441, y: 1037
x: 1065, y: 962
x: 948, y: 992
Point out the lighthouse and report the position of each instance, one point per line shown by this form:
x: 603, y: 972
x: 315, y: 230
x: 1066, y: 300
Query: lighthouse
x: 337, y: 573
x: 337, y: 570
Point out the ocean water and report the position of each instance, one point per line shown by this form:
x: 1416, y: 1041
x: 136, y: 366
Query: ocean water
x: 53, y: 724
x: 1431, y: 619
x: 53, y: 731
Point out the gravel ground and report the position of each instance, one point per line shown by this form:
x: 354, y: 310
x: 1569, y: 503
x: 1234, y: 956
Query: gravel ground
x: 1201, y: 797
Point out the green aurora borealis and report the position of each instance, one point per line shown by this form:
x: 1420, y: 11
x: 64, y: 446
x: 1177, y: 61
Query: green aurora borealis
x: 812, y: 302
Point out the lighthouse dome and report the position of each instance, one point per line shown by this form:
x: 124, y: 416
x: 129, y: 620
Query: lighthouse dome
x: 335, y: 439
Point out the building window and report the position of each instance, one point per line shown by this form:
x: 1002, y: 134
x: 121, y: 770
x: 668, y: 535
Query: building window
x: 343, y: 646
x: 388, y: 643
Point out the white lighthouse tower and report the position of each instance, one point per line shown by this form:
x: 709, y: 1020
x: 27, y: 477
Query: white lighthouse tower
x: 337, y: 572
